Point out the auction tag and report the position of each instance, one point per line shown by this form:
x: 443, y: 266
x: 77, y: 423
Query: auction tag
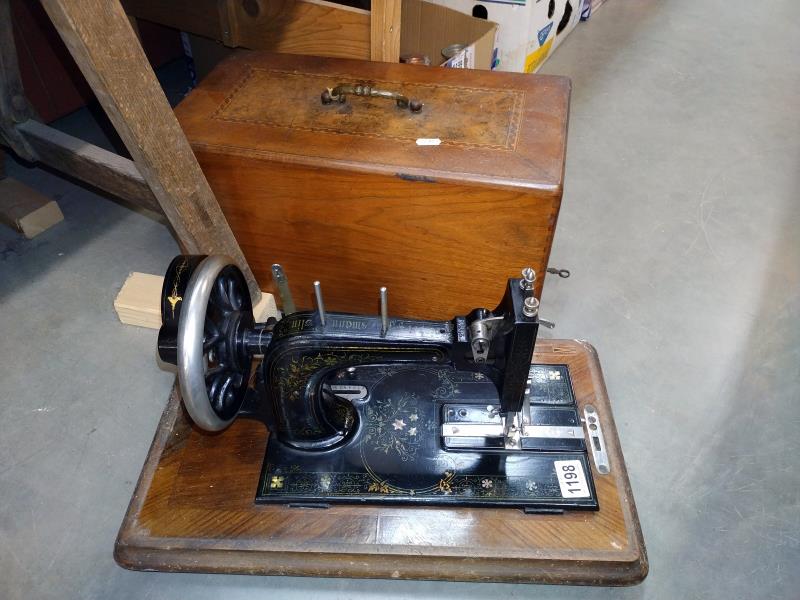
x: 571, y: 479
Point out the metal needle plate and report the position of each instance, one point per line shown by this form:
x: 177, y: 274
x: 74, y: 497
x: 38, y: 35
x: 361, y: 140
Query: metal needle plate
x: 496, y: 430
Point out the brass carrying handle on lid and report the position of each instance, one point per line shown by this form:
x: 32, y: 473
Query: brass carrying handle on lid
x: 339, y: 94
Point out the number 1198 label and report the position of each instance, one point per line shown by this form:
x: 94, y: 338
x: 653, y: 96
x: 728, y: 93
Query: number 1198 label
x: 571, y: 479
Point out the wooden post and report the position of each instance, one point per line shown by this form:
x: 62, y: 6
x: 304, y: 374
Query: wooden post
x: 104, y: 46
x: 14, y: 107
x: 385, y: 30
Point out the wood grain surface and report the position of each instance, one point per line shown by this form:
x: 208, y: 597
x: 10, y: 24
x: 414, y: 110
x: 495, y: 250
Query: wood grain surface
x: 291, y: 26
x: 533, y: 161
x: 385, y: 18
x: 295, y: 105
x: 344, y: 194
x: 441, y: 249
x: 89, y: 163
x: 193, y: 511
x: 303, y: 27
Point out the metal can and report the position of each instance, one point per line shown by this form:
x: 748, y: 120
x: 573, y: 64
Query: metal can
x: 452, y: 50
x: 415, y: 58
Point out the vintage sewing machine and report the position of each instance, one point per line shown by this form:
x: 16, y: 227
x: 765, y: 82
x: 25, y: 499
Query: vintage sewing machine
x: 370, y: 445
x: 378, y: 409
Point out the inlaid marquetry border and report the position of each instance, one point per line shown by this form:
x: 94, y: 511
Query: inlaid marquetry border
x: 512, y: 129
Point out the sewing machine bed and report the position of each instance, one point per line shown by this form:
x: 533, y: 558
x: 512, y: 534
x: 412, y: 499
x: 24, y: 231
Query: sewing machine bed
x: 396, y: 455
x: 194, y: 510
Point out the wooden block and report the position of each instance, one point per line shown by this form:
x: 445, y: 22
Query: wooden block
x: 139, y: 302
x: 25, y: 209
x: 265, y: 308
x: 193, y: 510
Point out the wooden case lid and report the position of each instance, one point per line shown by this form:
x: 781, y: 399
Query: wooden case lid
x: 503, y: 129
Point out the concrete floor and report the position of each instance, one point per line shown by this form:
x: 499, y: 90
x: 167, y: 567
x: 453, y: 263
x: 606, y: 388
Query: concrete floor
x: 679, y: 224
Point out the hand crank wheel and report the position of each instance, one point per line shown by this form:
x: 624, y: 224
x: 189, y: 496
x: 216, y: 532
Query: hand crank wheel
x: 213, y: 365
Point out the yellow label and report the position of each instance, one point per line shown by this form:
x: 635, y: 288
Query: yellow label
x: 535, y: 59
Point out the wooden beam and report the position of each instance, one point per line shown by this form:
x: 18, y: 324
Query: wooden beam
x: 385, y: 30
x: 96, y: 166
x: 100, y: 39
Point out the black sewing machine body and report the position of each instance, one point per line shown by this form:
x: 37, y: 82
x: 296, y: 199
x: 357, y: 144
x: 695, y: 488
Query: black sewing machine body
x: 397, y: 455
x: 368, y: 409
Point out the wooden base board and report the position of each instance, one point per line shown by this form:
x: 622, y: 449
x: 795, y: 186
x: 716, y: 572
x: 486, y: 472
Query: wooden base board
x: 193, y: 511
x: 139, y: 302
x: 25, y: 209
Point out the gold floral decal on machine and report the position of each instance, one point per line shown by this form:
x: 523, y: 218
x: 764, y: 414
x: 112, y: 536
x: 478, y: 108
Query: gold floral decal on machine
x: 379, y: 486
x: 174, y: 298
x: 395, y: 426
x: 396, y: 429
x: 294, y: 376
x: 353, y: 484
x: 446, y: 482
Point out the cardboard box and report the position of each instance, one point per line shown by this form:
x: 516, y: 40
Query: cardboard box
x: 429, y: 28
x: 528, y: 30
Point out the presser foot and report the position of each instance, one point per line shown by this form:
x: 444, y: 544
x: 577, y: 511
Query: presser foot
x: 470, y: 426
